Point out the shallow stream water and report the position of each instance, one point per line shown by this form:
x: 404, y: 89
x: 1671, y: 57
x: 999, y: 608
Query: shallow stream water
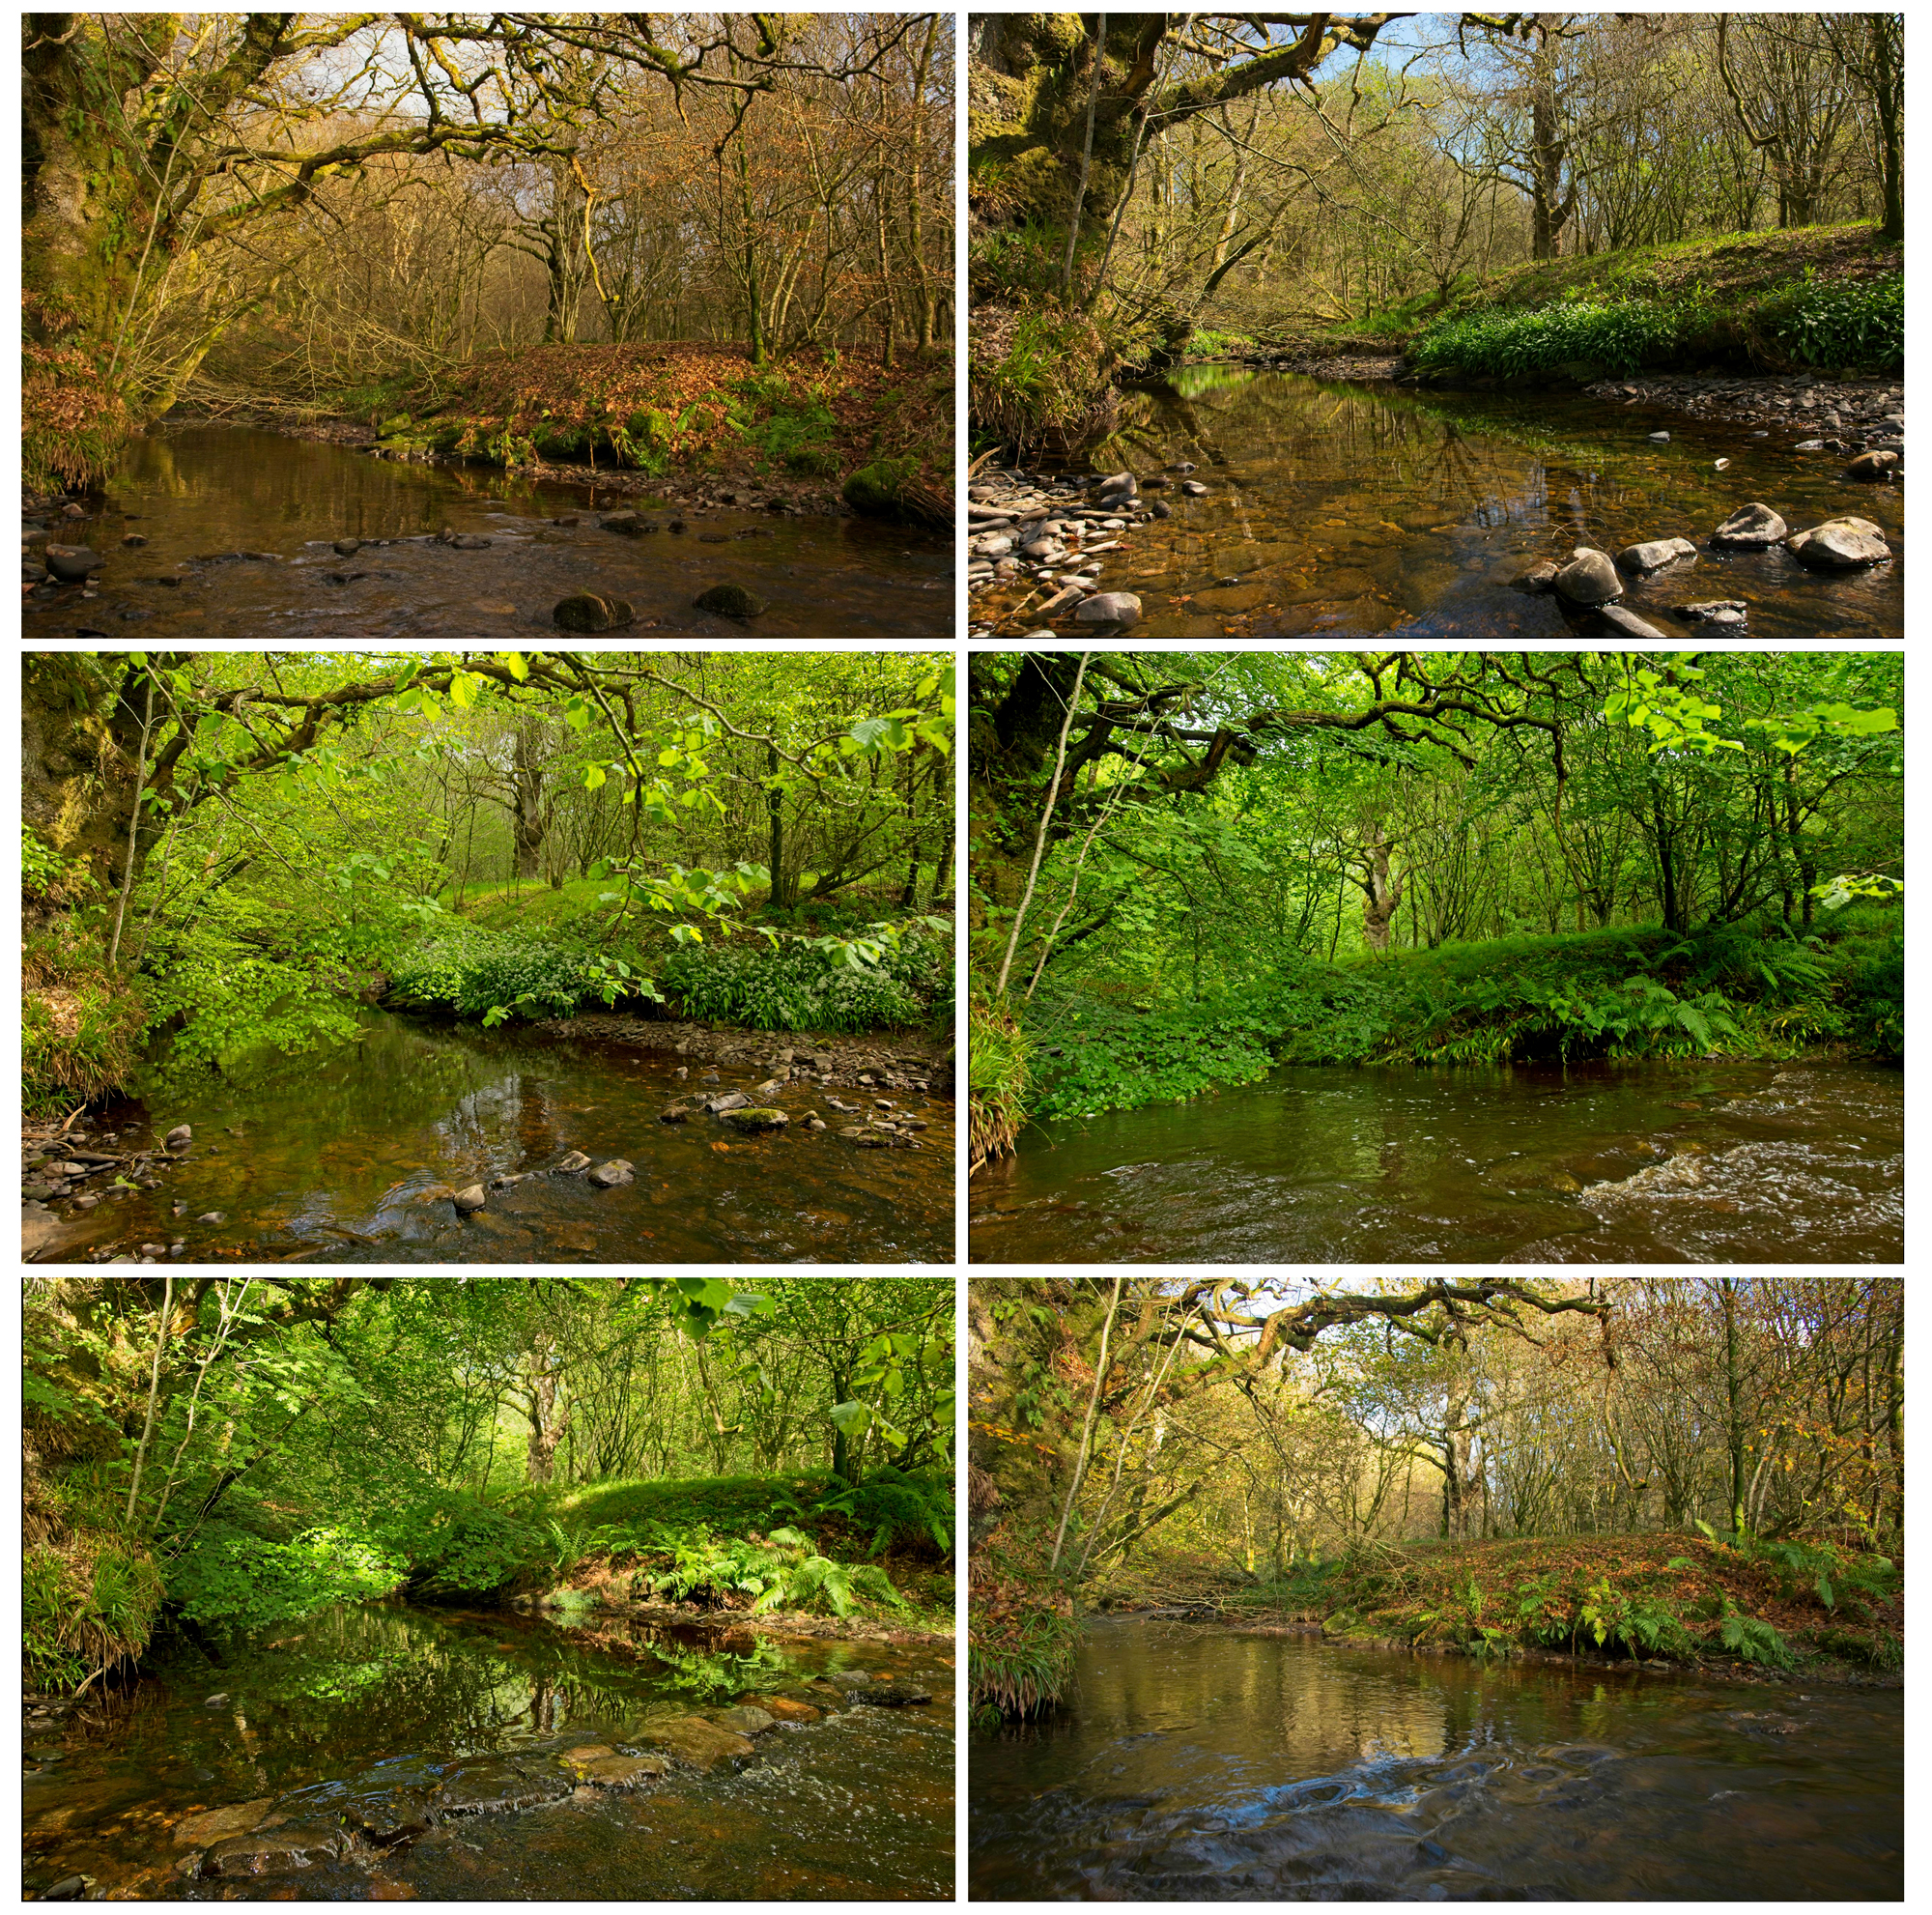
x: 1346, y: 510
x: 362, y: 1701
x: 352, y: 1155
x: 1192, y: 1764
x: 1700, y: 1162
x: 195, y: 493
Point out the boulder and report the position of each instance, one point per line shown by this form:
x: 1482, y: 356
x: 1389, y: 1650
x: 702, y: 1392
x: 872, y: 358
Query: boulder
x: 591, y: 611
x: 180, y: 1138
x: 1654, y: 553
x: 1873, y: 468
x: 274, y: 1851
x: 730, y: 602
x: 573, y: 1163
x: 609, y: 1176
x: 1626, y: 624
x: 213, y: 1825
x: 1714, y: 612
x: 1540, y: 577
x: 1117, y: 484
x: 701, y: 1744
x: 747, y: 1720
x: 1108, y: 608
x: 893, y: 1695
x: 71, y: 563
x: 1840, y: 545
x: 757, y: 1117
x: 1589, y: 578
x: 1749, y: 529
x: 494, y: 1786
x: 471, y: 1199
x: 615, y: 1771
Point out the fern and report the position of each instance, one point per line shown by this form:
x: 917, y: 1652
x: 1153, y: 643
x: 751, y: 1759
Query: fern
x: 1750, y: 1640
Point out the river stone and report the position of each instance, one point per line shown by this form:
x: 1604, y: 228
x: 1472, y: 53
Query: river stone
x: 1589, y: 578
x: 180, y: 1138
x: 1751, y: 528
x: 757, y: 1117
x: 71, y: 563
x: 1654, y: 553
x: 1540, y: 577
x: 1122, y: 483
x: 470, y: 542
x: 893, y: 1695
x: 675, y: 1113
x: 497, y: 1785
x: 747, y: 1720
x: 852, y: 1678
x: 591, y: 611
x: 1194, y: 489
x: 870, y: 1140
x: 1109, y: 608
x: 133, y: 538
x: 1659, y: 439
x: 630, y: 524
x: 348, y: 548
x: 273, y: 1851
x: 615, y: 1771
x: 1716, y: 612
x: 1840, y: 545
x: 211, y: 1825
x: 471, y: 1199
x: 609, y: 1176
x: 587, y: 1752
x: 1809, y: 445
x: 701, y: 1744
x: 787, y: 1708
x: 730, y: 602
x: 725, y: 1101
x: 573, y: 1163
x: 1626, y: 624
x: 1873, y: 468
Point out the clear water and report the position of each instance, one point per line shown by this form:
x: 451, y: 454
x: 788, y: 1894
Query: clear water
x: 1699, y: 1163
x: 353, y: 1156
x: 1194, y: 1764
x: 1346, y: 510
x: 196, y: 490
x: 857, y: 1805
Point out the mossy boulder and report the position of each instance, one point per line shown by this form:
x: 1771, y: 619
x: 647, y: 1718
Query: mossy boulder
x: 591, y: 611
x: 730, y: 602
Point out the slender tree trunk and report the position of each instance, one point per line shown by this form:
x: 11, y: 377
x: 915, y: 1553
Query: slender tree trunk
x: 154, y: 1391
x: 1733, y: 1401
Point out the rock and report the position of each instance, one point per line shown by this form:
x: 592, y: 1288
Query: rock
x: 726, y: 1100
x: 1659, y: 439
x: 1194, y: 489
x: 893, y: 1695
x: 274, y: 1851
x: 71, y: 563
x: 471, y: 1199
x: 1714, y: 612
x: 867, y: 1141
x: 815, y: 1123
x: 573, y: 1163
x: 856, y: 1678
x: 133, y: 538
x: 730, y: 602
x: 1540, y: 577
x: 1721, y: 465
x: 1109, y: 608
x: 214, y: 1824
x: 757, y: 1117
x: 1626, y: 624
x: 747, y: 1720
x: 675, y: 1113
x: 1589, y: 578
x: 1809, y: 445
x: 180, y: 1138
x: 470, y: 542
x: 787, y: 1708
x: 1160, y: 509
x: 1873, y: 468
x: 701, y: 1744
x: 1654, y: 553
x: 1840, y: 545
x: 630, y: 524
x: 347, y: 548
x: 591, y: 611
x: 212, y: 1217
x: 589, y: 1752
x: 499, y: 1786
x: 609, y: 1176
x: 1751, y: 528
x: 1121, y: 484
x: 70, y: 1888
x: 615, y: 1771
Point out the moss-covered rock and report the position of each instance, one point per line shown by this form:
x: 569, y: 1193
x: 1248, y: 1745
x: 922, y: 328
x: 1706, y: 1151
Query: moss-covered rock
x: 591, y: 611
x: 729, y: 601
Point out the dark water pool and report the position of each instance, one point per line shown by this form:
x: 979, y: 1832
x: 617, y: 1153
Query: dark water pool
x: 196, y: 490
x: 1196, y: 1765
x: 369, y: 1709
x: 1697, y: 1162
x: 1346, y: 510
x: 354, y: 1155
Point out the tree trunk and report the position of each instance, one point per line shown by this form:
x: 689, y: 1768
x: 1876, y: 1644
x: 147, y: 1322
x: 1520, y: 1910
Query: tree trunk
x: 1727, y: 1302
x: 1381, y: 890
x: 783, y: 892
x: 527, y: 822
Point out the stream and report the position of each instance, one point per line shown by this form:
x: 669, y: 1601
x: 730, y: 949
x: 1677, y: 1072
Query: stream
x: 201, y: 497
x: 1712, y: 1161
x: 382, y: 1718
x: 1345, y: 510
x: 354, y: 1155
x: 1196, y: 1765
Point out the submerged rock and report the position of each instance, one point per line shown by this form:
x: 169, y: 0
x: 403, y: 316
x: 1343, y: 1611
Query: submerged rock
x: 1714, y: 612
x: 756, y: 1117
x: 591, y: 611
x: 1109, y: 608
x: 499, y: 1786
x: 213, y: 1825
x: 701, y: 1744
x: 609, y: 1176
x: 573, y: 1163
x: 71, y: 563
x: 1626, y: 624
x: 1589, y: 578
x: 1540, y: 577
x: 614, y: 1771
x: 1751, y: 528
x: 787, y: 1708
x: 274, y: 1851
x: 747, y: 1720
x: 730, y: 602
x: 893, y: 1695
x: 1840, y: 545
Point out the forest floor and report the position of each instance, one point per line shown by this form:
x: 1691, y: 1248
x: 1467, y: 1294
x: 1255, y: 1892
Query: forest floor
x: 1668, y: 1599
x: 689, y: 423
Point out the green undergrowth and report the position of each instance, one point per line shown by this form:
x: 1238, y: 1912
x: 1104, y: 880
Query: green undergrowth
x: 1774, y: 1603
x: 1828, y: 298
x: 1733, y: 991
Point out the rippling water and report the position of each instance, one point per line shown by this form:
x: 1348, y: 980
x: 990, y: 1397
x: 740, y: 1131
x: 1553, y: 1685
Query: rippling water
x: 1700, y: 1162
x: 1349, y: 510
x: 195, y: 492
x: 1194, y: 1764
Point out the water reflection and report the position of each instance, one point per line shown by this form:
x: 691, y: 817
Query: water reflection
x: 1199, y: 1764
x: 1708, y: 1162
x: 1351, y: 510
x: 194, y: 493
x: 353, y: 1156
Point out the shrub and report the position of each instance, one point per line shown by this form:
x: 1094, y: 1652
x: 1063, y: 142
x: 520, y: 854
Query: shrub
x: 228, y: 1576
x: 471, y: 971
x: 798, y: 985
x: 1619, y: 336
x: 456, y: 1545
x: 1858, y: 323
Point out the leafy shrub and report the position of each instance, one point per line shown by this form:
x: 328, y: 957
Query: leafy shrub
x: 472, y: 971
x: 784, y: 1571
x: 231, y: 1001
x: 897, y: 1507
x: 229, y: 1577
x: 1611, y: 1616
x: 456, y: 1545
x: 1618, y: 335
x: 1853, y: 322
x: 802, y: 985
